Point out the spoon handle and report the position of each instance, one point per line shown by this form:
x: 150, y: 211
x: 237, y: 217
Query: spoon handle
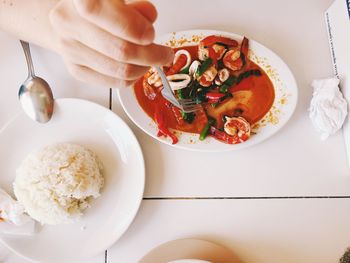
x: 26, y: 49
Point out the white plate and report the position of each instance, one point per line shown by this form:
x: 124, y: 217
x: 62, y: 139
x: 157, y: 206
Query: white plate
x: 284, y: 105
x: 109, y: 216
x: 190, y: 251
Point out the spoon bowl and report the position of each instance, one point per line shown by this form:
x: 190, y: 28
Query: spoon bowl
x: 36, y: 99
x: 35, y: 94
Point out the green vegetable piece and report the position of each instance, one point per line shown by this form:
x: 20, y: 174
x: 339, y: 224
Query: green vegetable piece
x: 202, y: 68
x: 211, y: 120
x: 214, y: 105
x: 220, y: 64
x: 200, y: 96
x: 257, y: 72
x: 247, y: 74
x: 205, y: 131
x: 185, y: 70
x: 180, y: 93
x: 224, y: 88
x: 230, y: 81
x: 227, y: 95
x: 188, y: 117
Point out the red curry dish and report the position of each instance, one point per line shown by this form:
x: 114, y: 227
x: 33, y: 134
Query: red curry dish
x: 233, y: 91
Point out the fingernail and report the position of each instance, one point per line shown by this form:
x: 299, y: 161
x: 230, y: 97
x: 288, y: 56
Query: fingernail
x: 148, y: 35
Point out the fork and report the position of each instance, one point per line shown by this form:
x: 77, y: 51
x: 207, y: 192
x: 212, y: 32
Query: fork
x: 186, y: 105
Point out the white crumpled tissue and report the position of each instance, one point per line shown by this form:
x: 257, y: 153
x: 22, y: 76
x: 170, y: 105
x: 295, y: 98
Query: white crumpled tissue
x: 13, y: 217
x: 328, y: 108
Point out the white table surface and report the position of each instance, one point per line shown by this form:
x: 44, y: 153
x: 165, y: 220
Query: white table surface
x: 273, y: 222
x: 294, y: 162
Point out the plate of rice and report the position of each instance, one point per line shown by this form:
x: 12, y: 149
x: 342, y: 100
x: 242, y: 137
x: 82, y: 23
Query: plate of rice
x: 80, y: 177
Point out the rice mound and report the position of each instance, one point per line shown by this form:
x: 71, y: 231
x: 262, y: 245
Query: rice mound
x: 55, y: 184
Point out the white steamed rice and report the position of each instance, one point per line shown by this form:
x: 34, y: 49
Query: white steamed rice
x: 56, y: 183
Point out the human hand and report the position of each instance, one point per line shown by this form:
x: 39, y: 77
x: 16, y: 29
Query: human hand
x: 107, y: 42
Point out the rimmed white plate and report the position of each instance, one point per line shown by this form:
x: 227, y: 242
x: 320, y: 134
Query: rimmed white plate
x: 286, y: 93
x: 109, y: 216
x: 190, y: 250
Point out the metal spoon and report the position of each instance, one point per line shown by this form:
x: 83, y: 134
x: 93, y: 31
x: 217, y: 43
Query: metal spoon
x: 35, y: 93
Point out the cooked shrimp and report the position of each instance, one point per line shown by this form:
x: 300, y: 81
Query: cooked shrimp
x: 219, y: 50
x: 203, y: 52
x: 232, y: 59
x: 223, y: 74
x: 208, y: 76
x: 237, y: 126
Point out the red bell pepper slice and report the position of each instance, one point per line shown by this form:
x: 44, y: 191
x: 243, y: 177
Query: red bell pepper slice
x: 162, y: 127
x: 214, y: 96
x: 211, y: 40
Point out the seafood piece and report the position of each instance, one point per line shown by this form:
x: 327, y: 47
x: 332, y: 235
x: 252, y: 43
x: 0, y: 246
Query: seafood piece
x: 182, y: 80
x: 203, y: 52
x: 154, y: 79
x: 232, y: 59
x: 208, y: 76
x: 193, y: 68
x: 188, y: 58
x: 237, y: 126
x: 219, y: 50
x: 223, y: 74
x: 235, y: 58
x: 211, y: 40
x: 214, y: 47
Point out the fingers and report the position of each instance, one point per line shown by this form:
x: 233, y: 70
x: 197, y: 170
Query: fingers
x: 146, y: 9
x: 108, y: 39
x: 77, y: 53
x: 88, y: 75
x: 106, y: 43
x: 118, y: 19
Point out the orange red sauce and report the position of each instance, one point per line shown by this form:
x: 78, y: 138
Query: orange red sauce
x: 252, y: 99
